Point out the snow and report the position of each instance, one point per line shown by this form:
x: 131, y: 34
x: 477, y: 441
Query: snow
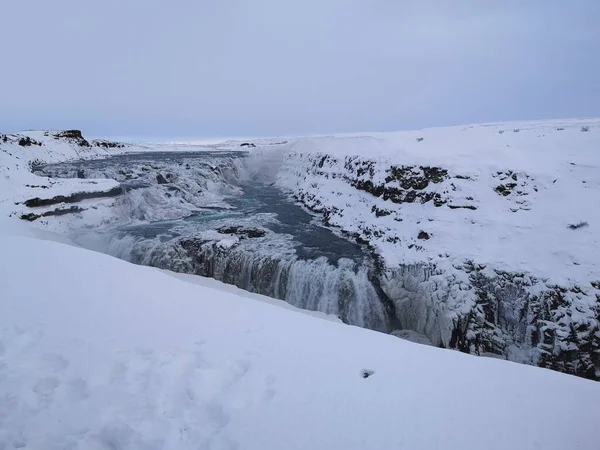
x: 148, y: 361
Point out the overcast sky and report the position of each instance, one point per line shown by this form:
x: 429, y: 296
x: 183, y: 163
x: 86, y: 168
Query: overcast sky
x: 194, y: 68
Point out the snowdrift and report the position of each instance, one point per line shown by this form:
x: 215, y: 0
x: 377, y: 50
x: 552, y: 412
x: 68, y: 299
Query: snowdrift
x: 98, y: 353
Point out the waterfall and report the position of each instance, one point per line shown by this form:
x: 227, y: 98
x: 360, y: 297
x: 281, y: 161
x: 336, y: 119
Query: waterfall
x: 343, y: 289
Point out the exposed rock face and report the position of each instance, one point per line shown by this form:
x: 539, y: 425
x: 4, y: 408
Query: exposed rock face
x: 243, y: 232
x: 423, y: 235
x: 107, y: 144
x: 404, y: 184
x: 73, y: 136
x: 559, y: 324
x: 399, y: 185
x: 73, y: 198
x: 26, y: 141
x: 515, y: 316
x: 55, y: 212
x: 160, y: 179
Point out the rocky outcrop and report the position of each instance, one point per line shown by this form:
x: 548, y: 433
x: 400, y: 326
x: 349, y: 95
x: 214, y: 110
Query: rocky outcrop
x: 243, y: 232
x: 514, y: 316
x: 26, y: 141
x: 30, y: 217
x: 73, y: 198
x: 559, y: 325
x: 160, y: 179
x: 107, y: 144
x: 73, y: 136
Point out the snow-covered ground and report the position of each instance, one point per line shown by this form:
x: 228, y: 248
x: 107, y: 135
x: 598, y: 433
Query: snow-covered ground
x: 97, y: 353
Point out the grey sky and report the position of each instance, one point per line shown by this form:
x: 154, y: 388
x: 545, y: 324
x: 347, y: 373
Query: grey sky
x: 269, y: 67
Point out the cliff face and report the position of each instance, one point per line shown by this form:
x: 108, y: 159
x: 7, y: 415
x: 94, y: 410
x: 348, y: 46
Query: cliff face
x: 490, y: 250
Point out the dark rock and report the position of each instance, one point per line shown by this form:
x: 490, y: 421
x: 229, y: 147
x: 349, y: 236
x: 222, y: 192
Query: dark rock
x: 423, y: 235
x: 505, y: 189
x: 73, y: 198
x: 192, y: 245
x: 26, y: 141
x: 243, y: 232
x: 576, y: 226
x: 107, y: 144
x: 506, y: 311
x: 70, y: 134
x: 255, y: 233
x: 229, y: 230
x: 56, y: 212
x: 30, y: 217
x: 248, y: 144
x: 160, y: 179
x: 380, y: 212
x: 471, y: 207
x: 74, y: 136
x: 366, y: 373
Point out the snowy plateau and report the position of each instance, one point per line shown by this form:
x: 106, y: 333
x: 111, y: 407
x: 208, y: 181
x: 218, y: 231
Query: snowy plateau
x: 264, y: 294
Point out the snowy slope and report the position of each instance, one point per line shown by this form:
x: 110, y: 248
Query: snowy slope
x: 19, y: 153
x: 147, y: 361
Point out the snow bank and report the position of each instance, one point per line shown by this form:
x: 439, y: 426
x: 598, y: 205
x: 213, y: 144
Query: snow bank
x: 147, y: 361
